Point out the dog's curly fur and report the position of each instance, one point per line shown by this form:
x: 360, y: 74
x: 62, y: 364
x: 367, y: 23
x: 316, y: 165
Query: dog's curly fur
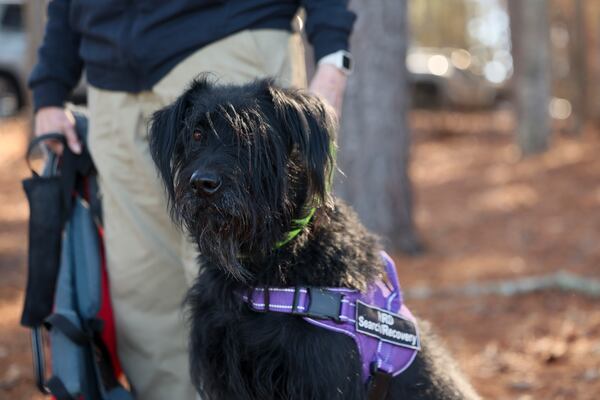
x: 270, y: 149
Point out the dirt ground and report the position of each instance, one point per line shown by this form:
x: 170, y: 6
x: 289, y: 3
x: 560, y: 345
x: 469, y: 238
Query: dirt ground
x: 484, y: 214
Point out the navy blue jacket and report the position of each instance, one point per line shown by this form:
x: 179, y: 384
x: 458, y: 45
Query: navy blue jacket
x: 129, y: 45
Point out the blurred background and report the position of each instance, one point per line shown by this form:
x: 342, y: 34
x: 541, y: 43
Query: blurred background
x: 469, y: 141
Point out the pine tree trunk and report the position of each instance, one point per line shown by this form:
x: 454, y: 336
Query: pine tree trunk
x: 374, y: 136
x: 592, y: 50
x: 578, y: 47
x: 531, y: 54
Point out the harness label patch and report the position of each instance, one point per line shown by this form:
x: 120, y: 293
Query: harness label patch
x: 387, y: 326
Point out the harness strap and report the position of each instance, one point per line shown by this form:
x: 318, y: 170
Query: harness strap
x: 72, y: 331
x: 57, y: 389
x: 68, y: 328
x: 313, y: 302
x: 379, y: 385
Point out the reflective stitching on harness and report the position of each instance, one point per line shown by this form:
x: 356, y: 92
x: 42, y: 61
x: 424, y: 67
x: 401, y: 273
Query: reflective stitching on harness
x: 263, y: 305
x: 344, y: 318
x: 280, y: 290
x: 389, y: 307
x: 282, y: 306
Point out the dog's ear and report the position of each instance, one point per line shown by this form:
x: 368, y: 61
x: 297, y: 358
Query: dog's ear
x: 310, y: 128
x: 167, y: 130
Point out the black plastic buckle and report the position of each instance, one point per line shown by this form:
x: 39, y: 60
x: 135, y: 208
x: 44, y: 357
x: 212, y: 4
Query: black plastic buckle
x: 324, y: 304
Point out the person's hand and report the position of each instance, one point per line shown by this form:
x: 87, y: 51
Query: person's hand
x: 57, y: 120
x: 329, y: 83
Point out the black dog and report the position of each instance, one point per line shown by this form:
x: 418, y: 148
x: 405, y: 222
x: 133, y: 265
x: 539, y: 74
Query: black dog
x: 240, y: 164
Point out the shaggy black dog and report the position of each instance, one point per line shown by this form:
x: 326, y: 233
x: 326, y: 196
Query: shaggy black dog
x: 240, y: 164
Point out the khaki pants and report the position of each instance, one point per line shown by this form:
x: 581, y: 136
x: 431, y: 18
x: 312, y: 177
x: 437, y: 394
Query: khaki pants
x: 150, y: 262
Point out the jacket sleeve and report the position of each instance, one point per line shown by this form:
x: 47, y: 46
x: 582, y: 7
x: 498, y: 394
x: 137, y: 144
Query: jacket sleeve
x: 59, y: 66
x: 328, y: 25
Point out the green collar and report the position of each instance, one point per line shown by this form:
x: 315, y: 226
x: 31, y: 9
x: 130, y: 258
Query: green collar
x: 298, y: 226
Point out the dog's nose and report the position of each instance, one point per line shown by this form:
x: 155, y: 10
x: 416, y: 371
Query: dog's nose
x: 205, y: 183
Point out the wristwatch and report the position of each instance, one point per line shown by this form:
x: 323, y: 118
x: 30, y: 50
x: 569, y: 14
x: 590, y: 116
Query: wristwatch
x: 341, y: 59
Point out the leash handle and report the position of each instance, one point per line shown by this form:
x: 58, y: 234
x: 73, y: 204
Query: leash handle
x: 36, y: 142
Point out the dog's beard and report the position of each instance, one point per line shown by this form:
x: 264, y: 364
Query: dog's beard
x: 229, y: 230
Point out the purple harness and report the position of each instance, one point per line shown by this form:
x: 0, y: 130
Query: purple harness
x: 383, y: 328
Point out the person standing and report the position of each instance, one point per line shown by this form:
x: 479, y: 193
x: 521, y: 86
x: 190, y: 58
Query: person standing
x: 138, y: 56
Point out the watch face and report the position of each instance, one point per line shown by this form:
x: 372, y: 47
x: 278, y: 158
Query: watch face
x: 346, y: 62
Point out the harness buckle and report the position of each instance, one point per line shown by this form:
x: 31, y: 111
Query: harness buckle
x: 324, y: 304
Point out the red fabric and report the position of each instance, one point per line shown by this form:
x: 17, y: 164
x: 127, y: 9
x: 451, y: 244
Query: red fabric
x: 108, y: 334
x: 106, y: 313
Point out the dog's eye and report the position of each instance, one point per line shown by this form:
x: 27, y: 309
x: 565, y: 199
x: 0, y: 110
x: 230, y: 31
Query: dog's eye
x: 197, y: 136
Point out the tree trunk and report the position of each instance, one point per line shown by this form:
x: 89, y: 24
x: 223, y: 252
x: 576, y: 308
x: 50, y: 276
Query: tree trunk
x: 374, y: 138
x: 570, y: 82
x: 531, y: 54
x: 578, y: 47
x: 592, y: 39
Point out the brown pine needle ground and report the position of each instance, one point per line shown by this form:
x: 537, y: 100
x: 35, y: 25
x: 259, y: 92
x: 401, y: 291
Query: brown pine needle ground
x: 484, y: 214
